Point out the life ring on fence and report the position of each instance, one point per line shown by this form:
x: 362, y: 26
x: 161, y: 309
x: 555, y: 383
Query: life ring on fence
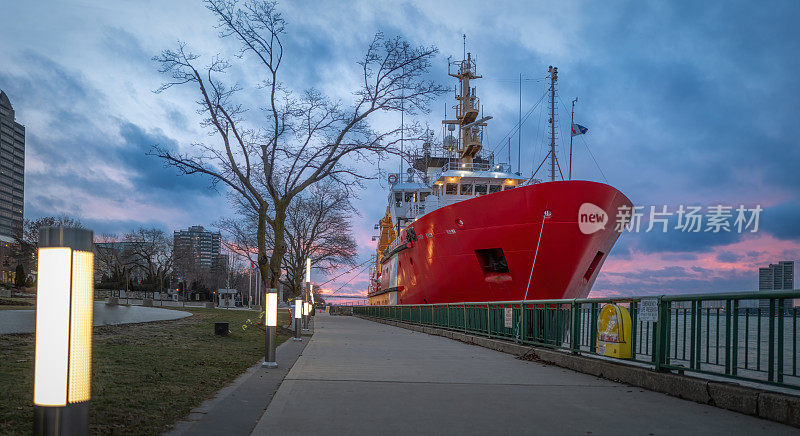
x: 392, y: 179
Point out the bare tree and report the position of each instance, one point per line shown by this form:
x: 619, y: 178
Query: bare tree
x: 28, y: 239
x: 112, y: 260
x: 271, y: 155
x: 151, y: 250
x: 318, y: 228
x: 239, y: 235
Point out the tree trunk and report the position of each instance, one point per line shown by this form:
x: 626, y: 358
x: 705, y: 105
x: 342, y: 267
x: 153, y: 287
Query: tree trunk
x: 279, y: 250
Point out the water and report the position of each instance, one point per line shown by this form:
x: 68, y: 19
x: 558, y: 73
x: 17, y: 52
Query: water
x: 715, y: 342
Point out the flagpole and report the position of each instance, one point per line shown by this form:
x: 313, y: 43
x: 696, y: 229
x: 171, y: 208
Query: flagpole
x: 250, y: 287
x: 571, y: 134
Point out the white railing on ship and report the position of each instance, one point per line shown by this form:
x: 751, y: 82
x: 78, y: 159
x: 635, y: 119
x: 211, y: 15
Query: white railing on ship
x: 455, y: 166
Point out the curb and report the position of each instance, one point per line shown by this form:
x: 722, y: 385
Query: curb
x: 186, y: 424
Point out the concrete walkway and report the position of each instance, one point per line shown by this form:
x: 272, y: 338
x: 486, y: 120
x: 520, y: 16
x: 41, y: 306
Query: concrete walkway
x: 358, y: 377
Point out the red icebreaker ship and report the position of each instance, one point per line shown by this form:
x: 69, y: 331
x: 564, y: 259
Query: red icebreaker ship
x: 460, y: 228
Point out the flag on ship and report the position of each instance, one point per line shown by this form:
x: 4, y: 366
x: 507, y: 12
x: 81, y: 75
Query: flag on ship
x: 577, y: 129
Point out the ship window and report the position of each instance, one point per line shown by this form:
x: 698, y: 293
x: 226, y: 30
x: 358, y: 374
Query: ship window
x: 466, y: 189
x: 507, y: 187
x: 398, y: 197
x: 423, y: 195
x: 480, y: 189
x: 492, y: 260
x: 593, y: 265
x: 452, y: 189
x: 411, y: 197
x: 495, y: 188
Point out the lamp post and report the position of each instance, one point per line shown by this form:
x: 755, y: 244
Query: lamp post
x: 64, y: 305
x: 298, y: 318
x: 305, y: 316
x: 307, y: 291
x: 271, y: 319
x: 311, y: 306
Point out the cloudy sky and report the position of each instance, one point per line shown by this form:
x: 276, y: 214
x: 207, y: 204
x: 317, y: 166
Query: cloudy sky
x: 692, y: 103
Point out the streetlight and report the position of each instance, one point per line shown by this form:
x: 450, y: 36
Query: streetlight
x: 271, y: 314
x: 305, y: 316
x: 64, y: 304
x: 308, y: 292
x: 298, y: 317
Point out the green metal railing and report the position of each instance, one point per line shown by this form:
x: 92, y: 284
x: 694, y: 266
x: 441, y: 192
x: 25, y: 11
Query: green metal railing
x: 745, y: 336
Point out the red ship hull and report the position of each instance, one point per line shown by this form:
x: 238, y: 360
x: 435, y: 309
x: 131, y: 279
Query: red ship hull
x: 496, y: 247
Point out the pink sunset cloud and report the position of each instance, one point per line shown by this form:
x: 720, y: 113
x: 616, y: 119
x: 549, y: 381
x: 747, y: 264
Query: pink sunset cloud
x: 728, y: 267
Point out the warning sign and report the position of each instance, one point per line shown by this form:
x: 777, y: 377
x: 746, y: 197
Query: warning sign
x: 647, y: 310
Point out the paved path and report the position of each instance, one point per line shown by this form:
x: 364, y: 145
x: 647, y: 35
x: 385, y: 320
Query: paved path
x: 24, y: 321
x: 359, y: 377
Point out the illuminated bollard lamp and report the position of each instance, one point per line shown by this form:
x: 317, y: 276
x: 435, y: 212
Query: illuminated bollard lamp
x: 306, y: 292
x: 271, y: 315
x: 305, y: 316
x: 298, y: 318
x: 64, y: 306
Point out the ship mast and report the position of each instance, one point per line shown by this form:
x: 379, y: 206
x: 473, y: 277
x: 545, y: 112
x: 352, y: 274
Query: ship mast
x: 470, y: 136
x: 571, y: 123
x: 553, y: 78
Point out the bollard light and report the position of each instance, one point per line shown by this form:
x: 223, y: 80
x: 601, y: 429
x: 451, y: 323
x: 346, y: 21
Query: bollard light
x: 64, y: 312
x: 305, y: 315
x: 272, y: 309
x: 271, y: 322
x: 298, y: 315
x: 298, y: 308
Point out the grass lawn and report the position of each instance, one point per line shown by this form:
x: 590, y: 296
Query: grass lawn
x: 17, y: 303
x: 144, y: 376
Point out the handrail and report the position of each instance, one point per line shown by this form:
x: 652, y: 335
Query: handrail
x: 456, y: 166
x: 757, y: 343
x: 678, y: 297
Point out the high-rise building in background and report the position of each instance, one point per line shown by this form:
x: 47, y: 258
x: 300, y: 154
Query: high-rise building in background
x: 776, y: 277
x: 196, y: 245
x: 12, y: 171
x: 12, y: 183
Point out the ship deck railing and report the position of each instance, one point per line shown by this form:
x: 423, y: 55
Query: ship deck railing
x: 457, y: 166
x: 744, y: 336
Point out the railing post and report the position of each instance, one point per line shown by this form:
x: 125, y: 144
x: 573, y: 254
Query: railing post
x: 634, y: 330
x: 574, y: 336
x: 488, y: 320
x: 781, y: 307
x: 735, y: 338
x: 771, y: 355
x: 693, y: 333
x: 465, y: 317
x: 661, y: 327
x: 699, y: 333
x: 728, y: 331
x: 593, y: 328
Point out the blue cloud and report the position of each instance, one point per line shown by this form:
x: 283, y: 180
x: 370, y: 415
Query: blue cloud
x: 150, y: 171
x: 782, y: 220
